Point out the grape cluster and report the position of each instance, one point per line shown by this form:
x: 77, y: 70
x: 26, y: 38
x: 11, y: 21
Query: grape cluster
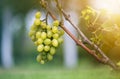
x: 46, y: 37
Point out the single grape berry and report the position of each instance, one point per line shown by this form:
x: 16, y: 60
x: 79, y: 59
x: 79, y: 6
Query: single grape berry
x: 33, y: 27
x: 37, y: 15
x: 61, y: 32
x: 43, y: 25
x: 40, y: 48
x: 44, y: 57
x: 56, y: 23
x: 55, y: 43
x: 49, y: 57
x: 49, y: 34
x: 31, y: 33
x: 43, y: 53
x: 46, y: 48
x: 43, y: 35
x: 37, y: 22
x: 36, y: 43
x: 48, y: 27
x: 39, y: 58
x: 42, y: 62
x: 39, y: 41
x: 56, y: 36
x: 60, y: 40
x: 38, y: 34
x: 47, y: 41
x: 54, y: 29
x: 52, y: 50
x: 33, y: 38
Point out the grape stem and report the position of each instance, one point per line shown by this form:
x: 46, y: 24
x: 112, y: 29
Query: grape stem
x: 104, y: 59
x: 47, y: 18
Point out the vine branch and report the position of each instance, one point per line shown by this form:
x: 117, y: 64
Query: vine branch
x: 104, y: 59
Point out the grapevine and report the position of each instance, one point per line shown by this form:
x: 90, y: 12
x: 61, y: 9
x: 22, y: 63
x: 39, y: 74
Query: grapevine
x: 47, y: 38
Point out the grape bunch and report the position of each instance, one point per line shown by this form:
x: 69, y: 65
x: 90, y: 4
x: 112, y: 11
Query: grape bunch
x: 46, y: 37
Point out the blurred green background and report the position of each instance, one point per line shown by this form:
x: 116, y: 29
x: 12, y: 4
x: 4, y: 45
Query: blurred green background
x: 14, y: 31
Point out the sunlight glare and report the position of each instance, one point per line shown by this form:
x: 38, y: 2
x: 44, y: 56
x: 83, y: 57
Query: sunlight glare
x: 111, y: 6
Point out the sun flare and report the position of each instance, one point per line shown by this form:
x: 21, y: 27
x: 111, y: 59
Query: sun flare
x: 111, y: 6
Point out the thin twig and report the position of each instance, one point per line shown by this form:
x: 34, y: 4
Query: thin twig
x: 47, y: 18
x: 59, y: 7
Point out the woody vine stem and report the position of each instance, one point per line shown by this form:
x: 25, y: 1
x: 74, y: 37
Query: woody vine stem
x: 103, y: 58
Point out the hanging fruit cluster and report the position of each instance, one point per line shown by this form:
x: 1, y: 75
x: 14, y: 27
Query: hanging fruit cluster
x: 46, y: 37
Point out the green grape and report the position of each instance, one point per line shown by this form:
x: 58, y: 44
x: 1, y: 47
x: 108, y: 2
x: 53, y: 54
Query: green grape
x: 61, y: 32
x: 47, y: 41
x: 43, y: 53
x: 44, y: 57
x: 33, y: 27
x: 49, y: 57
x: 52, y: 50
x: 43, y: 25
x: 33, y: 38
x: 37, y: 22
x: 49, y: 34
x: 31, y: 33
x: 40, y: 29
x: 40, y: 48
x: 36, y: 43
x: 37, y: 15
x: 54, y: 29
x: 46, y: 48
x: 55, y: 43
x: 56, y: 36
x: 38, y: 34
x: 56, y: 23
x: 40, y: 41
x: 42, y: 62
x: 48, y: 27
x: 60, y: 40
x: 39, y: 57
x: 43, y: 35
